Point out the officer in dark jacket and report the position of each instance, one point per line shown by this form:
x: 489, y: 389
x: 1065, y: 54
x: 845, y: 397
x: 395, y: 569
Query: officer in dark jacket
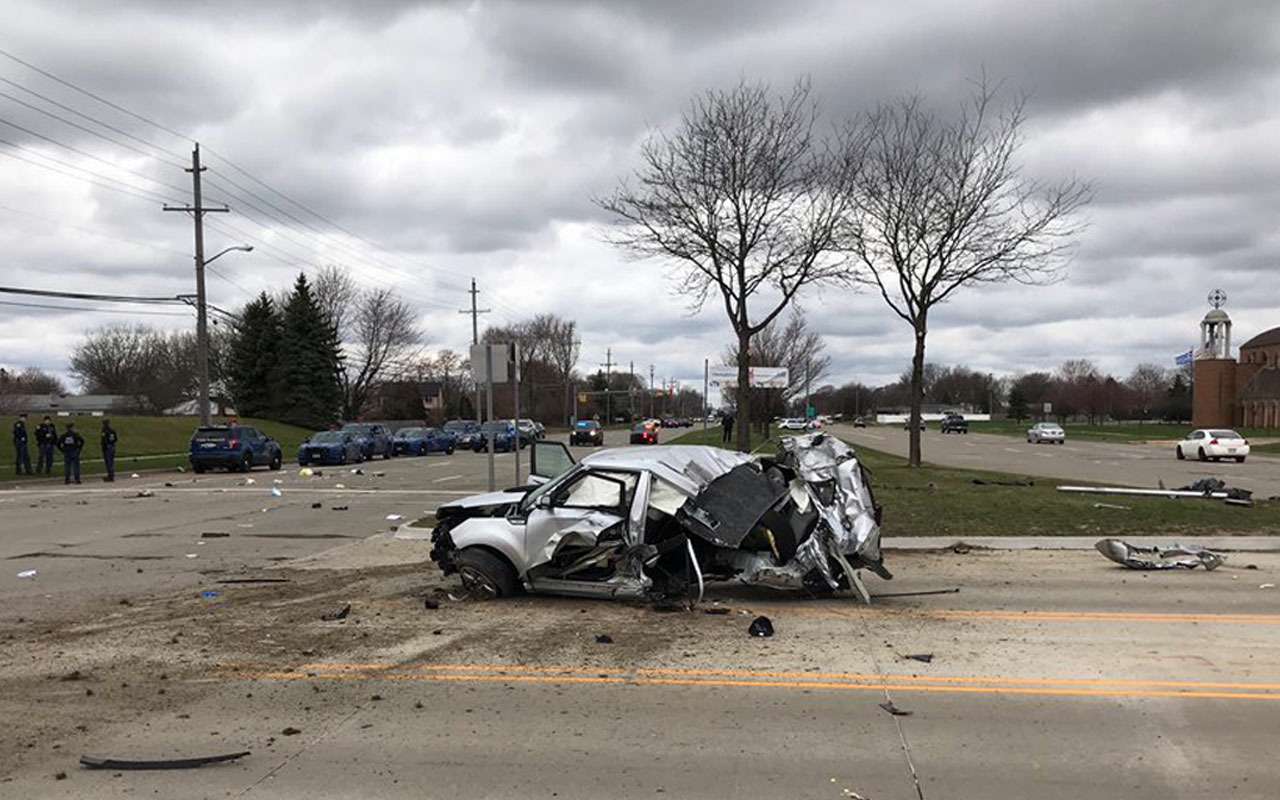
x: 71, y: 443
x: 23, y: 460
x: 109, y: 438
x: 46, y: 440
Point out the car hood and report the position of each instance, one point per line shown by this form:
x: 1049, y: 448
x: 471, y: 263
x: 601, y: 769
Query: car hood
x: 487, y: 500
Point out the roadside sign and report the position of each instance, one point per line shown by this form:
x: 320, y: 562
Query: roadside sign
x: 501, y: 357
x: 726, y: 377
x: 1048, y: 408
x: 811, y: 412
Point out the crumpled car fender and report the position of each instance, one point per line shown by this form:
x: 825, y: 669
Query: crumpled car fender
x: 494, y: 533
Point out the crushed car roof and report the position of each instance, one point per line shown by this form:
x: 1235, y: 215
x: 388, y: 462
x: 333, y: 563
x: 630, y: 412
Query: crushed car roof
x: 687, y: 467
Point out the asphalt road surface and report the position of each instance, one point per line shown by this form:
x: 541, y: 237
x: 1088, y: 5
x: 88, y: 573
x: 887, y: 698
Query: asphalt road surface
x: 1096, y: 462
x: 1053, y: 675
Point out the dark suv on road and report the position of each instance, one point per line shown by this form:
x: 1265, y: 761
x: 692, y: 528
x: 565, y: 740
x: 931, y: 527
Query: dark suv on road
x: 375, y: 440
x: 233, y: 447
x: 954, y: 423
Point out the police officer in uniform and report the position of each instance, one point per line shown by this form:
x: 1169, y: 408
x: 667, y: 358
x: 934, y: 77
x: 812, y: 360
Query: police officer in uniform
x: 46, y: 440
x: 71, y: 443
x: 23, y: 460
x: 109, y: 439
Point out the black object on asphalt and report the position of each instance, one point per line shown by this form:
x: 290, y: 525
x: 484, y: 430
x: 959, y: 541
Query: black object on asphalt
x: 761, y: 626
x: 337, y: 615
x: 926, y: 658
x: 894, y: 710
x: 93, y: 762
x: 604, y: 638
x: 430, y: 603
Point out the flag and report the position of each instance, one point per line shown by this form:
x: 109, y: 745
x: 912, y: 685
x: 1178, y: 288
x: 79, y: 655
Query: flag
x: 1183, y: 359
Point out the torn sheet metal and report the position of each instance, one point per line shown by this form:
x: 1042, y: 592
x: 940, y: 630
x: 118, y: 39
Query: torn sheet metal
x: 94, y: 762
x: 1175, y: 557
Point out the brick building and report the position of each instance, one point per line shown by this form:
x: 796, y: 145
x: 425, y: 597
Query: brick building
x: 1231, y: 392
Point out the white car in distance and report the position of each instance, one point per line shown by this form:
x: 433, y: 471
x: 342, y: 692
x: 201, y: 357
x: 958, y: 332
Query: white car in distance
x: 1213, y: 443
x: 1042, y: 432
x: 793, y: 424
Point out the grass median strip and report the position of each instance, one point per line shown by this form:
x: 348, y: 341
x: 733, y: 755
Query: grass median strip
x: 944, y: 501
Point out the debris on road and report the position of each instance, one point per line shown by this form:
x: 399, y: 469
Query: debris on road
x: 922, y: 593
x: 718, y: 611
x: 604, y: 638
x: 330, y: 617
x: 760, y: 626
x: 27, y: 573
x: 430, y: 603
x: 275, y: 492
x: 925, y: 658
x: 339, y: 486
x: 1113, y: 506
x: 255, y: 580
x: 357, y: 471
x: 317, y: 505
x: 394, y: 517
x: 290, y: 731
x: 306, y: 472
x: 1266, y: 586
x: 340, y: 508
x: 989, y: 482
x: 248, y: 482
x: 209, y: 594
x: 214, y: 535
x: 193, y: 555
x: 894, y: 710
x: 1175, y: 557
x: 145, y: 493
x: 1205, y: 488
x: 93, y: 762
x: 135, y: 475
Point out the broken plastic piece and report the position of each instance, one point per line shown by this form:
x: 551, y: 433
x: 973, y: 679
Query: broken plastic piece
x: 209, y: 594
x: 1175, y: 557
x: 145, y: 493
x: 275, y: 491
x: 894, y: 710
x: 27, y: 573
x: 604, y: 638
x: 394, y: 517
x: 306, y: 472
x: 761, y: 626
x: 926, y: 658
x: 214, y: 535
x: 93, y: 762
x: 338, y: 614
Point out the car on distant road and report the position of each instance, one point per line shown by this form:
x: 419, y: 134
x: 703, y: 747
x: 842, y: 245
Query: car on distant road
x: 859, y: 422
x: 1214, y: 444
x: 233, y: 447
x: 1046, y: 432
x: 587, y: 432
x: 954, y: 423
x: 330, y: 447
x: 465, y: 432
x: 644, y: 433
x: 505, y: 435
x: 793, y: 424
x: 906, y: 424
x: 374, y: 439
x: 422, y: 441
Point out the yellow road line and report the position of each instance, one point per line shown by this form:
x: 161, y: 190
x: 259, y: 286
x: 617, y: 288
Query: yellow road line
x: 1037, y: 616
x: 877, y: 685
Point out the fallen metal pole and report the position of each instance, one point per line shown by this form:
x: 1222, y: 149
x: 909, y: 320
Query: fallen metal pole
x: 1143, y: 492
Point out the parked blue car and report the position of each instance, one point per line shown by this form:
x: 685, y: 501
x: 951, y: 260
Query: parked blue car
x: 505, y: 436
x: 330, y: 447
x: 421, y: 441
x: 374, y: 439
x: 233, y: 447
x: 466, y: 433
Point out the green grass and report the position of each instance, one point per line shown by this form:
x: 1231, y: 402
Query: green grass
x: 1271, y: 448
x: 944, y: 501
x: 146, y: 443
x: 1121, y: 432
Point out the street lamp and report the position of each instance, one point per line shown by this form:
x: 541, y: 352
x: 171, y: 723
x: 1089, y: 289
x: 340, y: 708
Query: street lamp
x: 202, y: 329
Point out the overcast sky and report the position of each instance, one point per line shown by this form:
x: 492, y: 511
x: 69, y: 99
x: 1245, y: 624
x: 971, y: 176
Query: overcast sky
x: 459, y: 139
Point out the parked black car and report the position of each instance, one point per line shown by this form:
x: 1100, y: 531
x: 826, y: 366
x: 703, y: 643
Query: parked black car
x: 586, y: 432
x: 954, y: 423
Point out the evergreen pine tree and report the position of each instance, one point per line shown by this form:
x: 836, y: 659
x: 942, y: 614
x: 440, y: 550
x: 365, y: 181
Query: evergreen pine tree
x: 1017, y: 404
x: 308, y: 387
x: 253, y: 360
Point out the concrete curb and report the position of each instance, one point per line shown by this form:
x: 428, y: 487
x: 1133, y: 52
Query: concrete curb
x: 1241, y: 544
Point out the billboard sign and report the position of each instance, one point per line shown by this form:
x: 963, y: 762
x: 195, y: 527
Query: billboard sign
x: 722, y: 377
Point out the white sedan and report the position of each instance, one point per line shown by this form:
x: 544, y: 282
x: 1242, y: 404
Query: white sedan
x: 1211, y: 443
x: 1046, y: 432
x: 794, y: 424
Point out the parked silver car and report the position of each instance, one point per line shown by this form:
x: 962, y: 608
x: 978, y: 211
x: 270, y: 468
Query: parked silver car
x: 1050, y: 432
x: 665, y: 520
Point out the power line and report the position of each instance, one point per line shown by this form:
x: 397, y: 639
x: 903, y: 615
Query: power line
x: 109, y: 298
x: 78, y: 126
x: 117, y: 187
x: 130, y: 311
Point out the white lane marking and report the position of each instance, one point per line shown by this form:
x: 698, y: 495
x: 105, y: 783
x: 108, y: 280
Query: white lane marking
x: 871, y: 436
x: 1012, y: 450
x: 447, y: 478
x: 225, y: 490
x: 969, y: 444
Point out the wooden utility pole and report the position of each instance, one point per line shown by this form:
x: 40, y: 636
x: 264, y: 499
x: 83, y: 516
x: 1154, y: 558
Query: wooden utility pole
x: 197, y: 212
x: 475, y: 336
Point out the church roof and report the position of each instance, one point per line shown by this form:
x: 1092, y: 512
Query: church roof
x: 1263, y: 339
x: 1265, y: 385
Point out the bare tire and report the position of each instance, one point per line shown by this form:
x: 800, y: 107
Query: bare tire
x: 197, y: 469
x: 484, y: 575
x: 1239, y: 459
x: 1202, y: 456
x: 1178, y: 452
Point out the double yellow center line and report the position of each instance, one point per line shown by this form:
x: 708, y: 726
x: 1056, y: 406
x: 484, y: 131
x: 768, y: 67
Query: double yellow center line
x: 757, y: 679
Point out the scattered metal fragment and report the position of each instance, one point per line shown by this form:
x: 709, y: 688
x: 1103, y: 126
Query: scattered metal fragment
x: 760, y: 626
x: 145, y: 493
x: 989, y: 482
x: 339, y: 508
x: 894, y: 710
x: 1113, y: 506
x: 214, y: 535
x: 1175, y: 557
x: 1266, y: 586
x: 953, y: 590
x: 604, y: 638
x: 209, y: 594
x: 317, y: 505
x: 926, y: 658
x: 716, y: 611
x: 430, y: 603
x: 330, y: 617
x: 28, y: 573
x: 254, y: 580
x: 290, y: 731
x: 94, y: 762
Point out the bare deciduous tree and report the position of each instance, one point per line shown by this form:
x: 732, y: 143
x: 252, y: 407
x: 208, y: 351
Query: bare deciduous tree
x: 746, y: 200
x: 792, y: 345
x: 562, y: 348
x: 941, y: 203
x: 383, y: 333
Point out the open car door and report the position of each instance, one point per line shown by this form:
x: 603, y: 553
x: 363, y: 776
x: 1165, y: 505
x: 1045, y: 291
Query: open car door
x: 548, y: 460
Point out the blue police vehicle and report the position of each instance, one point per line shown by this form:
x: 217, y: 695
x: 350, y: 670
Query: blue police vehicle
x: 375, y: 439
x: 233, y: 447
x: 330, y: 447
x: 506, y: 437
x: 466, y: 433
x: 421, y: 441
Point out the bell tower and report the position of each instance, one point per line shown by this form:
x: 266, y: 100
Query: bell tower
x: 1213, y: 398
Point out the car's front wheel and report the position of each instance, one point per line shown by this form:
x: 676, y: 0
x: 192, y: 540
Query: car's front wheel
x: 1239, y: 459
x: 246, y: 462
x: 277, y: 461
x: 1202, y: 455
x: 1177, y: 451
x: 485, y: 575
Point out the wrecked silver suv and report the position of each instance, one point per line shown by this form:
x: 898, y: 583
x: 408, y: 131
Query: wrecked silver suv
x: 662, y: 521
